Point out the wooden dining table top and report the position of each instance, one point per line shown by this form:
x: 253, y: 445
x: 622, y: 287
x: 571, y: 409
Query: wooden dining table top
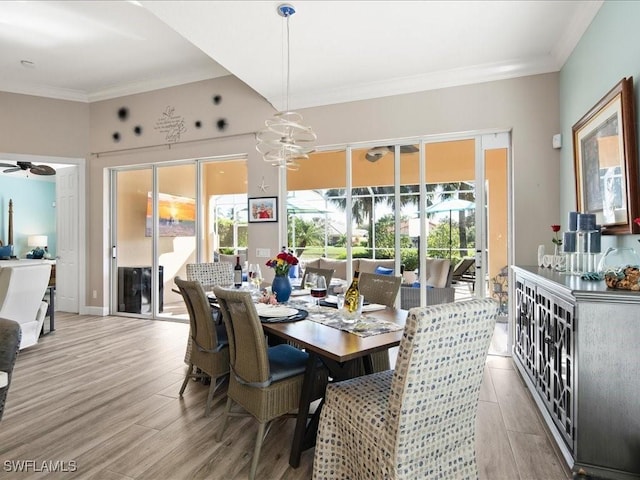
x: 337, y: 344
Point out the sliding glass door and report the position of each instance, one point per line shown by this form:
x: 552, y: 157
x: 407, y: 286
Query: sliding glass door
x: 439, y: 197
x: 166, y: 216
x: 132, y: 243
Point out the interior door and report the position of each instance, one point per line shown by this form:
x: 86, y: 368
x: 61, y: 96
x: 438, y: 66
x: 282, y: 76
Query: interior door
x: 67, y: 219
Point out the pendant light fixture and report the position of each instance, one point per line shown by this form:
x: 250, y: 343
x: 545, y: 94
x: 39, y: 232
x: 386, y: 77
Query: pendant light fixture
x: 285, y: 139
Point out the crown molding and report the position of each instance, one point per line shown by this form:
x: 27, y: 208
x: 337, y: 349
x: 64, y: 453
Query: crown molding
x: 132, y: 88
x: 420, y: 83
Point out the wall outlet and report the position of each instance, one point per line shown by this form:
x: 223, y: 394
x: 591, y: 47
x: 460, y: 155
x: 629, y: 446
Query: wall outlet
x: 95, y: 294
x: 263, y: 252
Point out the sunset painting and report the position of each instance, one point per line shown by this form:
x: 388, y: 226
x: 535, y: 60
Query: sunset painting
x: 176, y: 216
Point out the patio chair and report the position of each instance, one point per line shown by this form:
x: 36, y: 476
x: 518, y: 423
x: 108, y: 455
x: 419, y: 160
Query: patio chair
x: 419, y: 420
x: 209, y: 352
x: 465, y: 271
x: 265, y: 381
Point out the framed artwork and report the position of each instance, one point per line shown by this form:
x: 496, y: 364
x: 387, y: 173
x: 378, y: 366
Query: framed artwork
x: 176, y: 216
x: 606, y: 163
x: 263, y: 209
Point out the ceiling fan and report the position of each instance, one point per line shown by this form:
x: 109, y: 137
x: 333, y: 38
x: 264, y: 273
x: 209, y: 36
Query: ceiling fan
x: 35, y: 169
x: 376, y: 153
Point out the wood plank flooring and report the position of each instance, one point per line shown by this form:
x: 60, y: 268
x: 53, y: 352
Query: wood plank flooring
x: 100, y: 396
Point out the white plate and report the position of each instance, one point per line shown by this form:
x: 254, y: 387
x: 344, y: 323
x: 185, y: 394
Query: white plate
x: 372, y: 307
x: 332, y: 299
x: 299, y: 293
x: 265, y: 310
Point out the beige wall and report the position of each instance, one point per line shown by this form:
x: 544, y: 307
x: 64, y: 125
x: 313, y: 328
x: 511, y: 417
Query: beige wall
x: 526, y: 105
x: 43, y: 126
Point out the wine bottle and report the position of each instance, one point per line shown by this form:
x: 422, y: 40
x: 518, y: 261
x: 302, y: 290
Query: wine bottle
x: 352, y: 295
x: 237, y: 273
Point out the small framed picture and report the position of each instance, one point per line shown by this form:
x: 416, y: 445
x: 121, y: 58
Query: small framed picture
x: 263, y: 209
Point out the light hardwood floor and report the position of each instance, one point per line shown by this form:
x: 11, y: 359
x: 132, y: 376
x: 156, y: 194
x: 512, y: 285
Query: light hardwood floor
x: 103, y: 392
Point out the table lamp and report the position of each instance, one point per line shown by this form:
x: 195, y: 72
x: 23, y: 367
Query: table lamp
x: 38, y: 242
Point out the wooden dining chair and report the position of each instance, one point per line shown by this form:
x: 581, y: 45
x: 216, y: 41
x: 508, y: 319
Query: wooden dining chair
x: 265, y: 381
x: 209, y: 352
x: 417, y: 421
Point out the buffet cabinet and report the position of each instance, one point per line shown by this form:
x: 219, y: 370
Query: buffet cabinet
x: 577, y: 346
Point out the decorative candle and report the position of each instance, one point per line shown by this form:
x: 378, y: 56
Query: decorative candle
x: 573, y: 221
x: 586, y: 221
x: 594, y: 241
x: 569, y: 242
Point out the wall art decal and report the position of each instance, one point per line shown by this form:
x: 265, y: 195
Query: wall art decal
x: 123, y: 113
x: 137, y: 130
x: 116, y: 137
x: 198, y: 124
x: 221, y: 124
x: 171, y: 125
x: 217, y: 99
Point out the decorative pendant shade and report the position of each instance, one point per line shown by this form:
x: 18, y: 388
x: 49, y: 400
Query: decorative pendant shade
x: 285, y: 139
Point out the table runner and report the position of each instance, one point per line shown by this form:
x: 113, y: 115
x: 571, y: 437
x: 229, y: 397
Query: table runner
x: 366, y: 326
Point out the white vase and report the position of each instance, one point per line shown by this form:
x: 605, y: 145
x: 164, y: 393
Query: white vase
x: 540, y: 255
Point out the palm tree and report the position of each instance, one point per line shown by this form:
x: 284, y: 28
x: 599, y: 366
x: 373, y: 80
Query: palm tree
x: 364, y: 200
x: 307, y: 233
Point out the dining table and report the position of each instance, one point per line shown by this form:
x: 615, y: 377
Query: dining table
x: 336, y: 345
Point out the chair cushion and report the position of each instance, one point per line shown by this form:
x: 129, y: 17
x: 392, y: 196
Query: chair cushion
x: 221, y: 333
x: 383, y: 270
x: 286, y: 361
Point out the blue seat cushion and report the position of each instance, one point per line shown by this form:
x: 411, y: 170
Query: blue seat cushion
x: 286, y: 361
x: 383, y: 271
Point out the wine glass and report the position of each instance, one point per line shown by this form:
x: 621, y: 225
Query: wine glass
x: 255, y: 276
x: 319, y: 290
x: 309, y: 280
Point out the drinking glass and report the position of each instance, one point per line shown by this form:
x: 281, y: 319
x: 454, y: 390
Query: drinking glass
x: 255, y: 276
x: 309, y: 280
x: 319, y: 290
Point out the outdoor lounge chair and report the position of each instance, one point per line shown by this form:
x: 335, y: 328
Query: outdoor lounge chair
x: 465, y: 271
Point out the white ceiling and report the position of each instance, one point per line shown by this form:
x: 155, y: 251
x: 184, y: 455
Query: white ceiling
x: 340, y: 50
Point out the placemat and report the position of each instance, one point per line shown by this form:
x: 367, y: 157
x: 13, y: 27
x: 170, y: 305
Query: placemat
x: 366, y: 326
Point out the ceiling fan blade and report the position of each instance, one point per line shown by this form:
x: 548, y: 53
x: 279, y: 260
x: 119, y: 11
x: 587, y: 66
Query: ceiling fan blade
x: 11, y: 170
x: 42, y: 170
x: 409, y: 149
x: 376, y: 153
x: 7, y: 165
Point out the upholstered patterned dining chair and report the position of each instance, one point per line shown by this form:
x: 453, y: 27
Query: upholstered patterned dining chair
x: 265, y: 381
x: 209, y: 352
x: 209, y: 275
x: 419, y: 420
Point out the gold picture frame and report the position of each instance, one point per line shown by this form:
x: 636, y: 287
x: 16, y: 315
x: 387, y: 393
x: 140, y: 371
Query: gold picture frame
x: 605, y: 161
